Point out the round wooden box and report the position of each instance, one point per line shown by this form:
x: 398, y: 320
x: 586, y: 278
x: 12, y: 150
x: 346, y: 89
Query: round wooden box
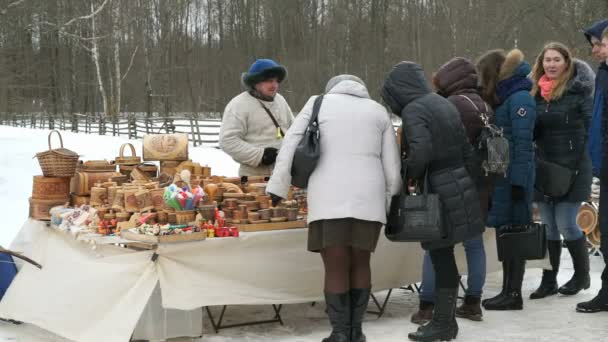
x: 39, y: 209
x: 78, y: 200
x: 51, y: 188
x: 587, y: 218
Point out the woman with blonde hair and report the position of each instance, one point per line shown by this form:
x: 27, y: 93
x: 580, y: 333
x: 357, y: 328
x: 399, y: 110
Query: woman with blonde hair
x: 563, y: 90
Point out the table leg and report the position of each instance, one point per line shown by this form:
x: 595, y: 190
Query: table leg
x: 381, y: 307
x: 217, y: 326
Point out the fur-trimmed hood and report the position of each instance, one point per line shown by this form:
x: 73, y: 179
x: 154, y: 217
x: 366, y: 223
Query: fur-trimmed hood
x: 514, y: 65
x: 583, y: 80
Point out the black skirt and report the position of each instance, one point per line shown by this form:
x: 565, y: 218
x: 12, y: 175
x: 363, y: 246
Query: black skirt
x: 343, y: 232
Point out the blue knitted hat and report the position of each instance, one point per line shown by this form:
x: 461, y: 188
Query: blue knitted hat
x: 263, y: 69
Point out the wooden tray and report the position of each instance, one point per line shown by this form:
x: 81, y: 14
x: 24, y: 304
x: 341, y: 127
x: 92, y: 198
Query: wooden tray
x: 125, y: 234
x: 270, y: 226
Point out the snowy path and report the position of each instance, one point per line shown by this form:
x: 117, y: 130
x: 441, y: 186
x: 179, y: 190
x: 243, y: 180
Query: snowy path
x: 550, y: 320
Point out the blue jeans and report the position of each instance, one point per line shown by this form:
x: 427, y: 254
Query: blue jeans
x: 476, y: 267
x: 560, y: 218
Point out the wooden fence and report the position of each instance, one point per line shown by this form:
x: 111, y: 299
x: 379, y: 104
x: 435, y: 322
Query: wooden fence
x: 201, y: 131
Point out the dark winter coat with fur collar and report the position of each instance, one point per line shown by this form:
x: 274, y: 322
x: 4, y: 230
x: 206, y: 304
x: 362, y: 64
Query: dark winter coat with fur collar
x: 561, y: 130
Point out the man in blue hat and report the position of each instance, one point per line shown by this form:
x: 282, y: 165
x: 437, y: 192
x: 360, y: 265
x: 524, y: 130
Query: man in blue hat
x: 598, y: 145
x: 256, y: 120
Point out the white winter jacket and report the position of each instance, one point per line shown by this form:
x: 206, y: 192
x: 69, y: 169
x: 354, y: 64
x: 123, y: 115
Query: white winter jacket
x: 359, y: 167
x: 247, y: 129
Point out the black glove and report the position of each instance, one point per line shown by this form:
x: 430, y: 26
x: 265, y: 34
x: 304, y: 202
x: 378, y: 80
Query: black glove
x: 275, y: 199
x: 270, y: 155
x: 517, y: 193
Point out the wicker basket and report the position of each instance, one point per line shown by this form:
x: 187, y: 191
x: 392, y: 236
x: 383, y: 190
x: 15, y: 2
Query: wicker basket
x: 58, y: 162
x: 127, y: 160
x: 126, y: 164
x: 185, y: 216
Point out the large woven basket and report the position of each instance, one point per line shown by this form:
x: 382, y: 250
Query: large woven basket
x: 127, y: 160
x: 58, y: 162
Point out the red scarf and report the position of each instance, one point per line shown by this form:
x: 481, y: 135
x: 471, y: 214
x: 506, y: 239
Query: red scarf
x: 546, y: 87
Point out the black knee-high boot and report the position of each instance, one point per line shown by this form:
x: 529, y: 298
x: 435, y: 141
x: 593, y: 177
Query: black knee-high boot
x: 505, y: 279
x: 580, y: 260
x: 512, y: 298
x: 359, y: 299
x: 338, y: 310
x: 443, y: 326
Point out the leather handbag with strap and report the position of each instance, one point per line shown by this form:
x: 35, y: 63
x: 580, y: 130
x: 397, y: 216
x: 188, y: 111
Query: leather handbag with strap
x: 415, y: 218
x: 308, y: 151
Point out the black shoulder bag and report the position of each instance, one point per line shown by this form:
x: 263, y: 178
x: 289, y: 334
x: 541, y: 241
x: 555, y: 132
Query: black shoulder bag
x: 553, y: 180
x: 308, y: 151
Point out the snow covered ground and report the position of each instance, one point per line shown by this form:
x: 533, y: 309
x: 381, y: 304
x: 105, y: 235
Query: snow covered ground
x: 552, y: 319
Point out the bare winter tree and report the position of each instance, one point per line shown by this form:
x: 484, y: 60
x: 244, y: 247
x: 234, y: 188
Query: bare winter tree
x: 63, y: 57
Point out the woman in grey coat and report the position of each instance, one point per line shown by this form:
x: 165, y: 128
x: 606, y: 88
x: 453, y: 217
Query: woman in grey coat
x: 358, y: 171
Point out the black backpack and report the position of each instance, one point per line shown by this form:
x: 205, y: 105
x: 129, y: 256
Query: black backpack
x: 491, y: 145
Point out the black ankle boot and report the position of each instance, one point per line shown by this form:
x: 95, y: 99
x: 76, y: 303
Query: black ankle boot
x: 548, y: 285
x: 505, y: 280
x: 338, y: 310
x: 443, y: 326
x: 580, y: 260
x: 358, y: 306
x: 470, y: 309
x: 512, y: 299
x: 597, y: 304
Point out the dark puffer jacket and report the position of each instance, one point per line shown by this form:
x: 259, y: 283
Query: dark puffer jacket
x: 561, y: 130
x: 435, y: 140
x: 457, y: 80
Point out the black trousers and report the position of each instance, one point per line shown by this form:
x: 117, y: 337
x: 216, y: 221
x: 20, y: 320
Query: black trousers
x: 446, y: 271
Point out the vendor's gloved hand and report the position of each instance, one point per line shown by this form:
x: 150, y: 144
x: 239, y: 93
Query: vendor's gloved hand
x: 270, y: 155
x: 275, y: 199
x: 517, y: 193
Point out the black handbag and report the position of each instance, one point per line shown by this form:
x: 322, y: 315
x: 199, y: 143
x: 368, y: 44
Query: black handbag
x: 308, y: 150
x: 415, y: 218
x: 522, y: 241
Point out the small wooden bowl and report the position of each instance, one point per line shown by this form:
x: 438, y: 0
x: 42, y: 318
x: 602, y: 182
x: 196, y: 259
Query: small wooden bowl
x: 253, y: 216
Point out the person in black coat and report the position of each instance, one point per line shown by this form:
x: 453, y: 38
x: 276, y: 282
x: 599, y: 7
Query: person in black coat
x: 435, y: 143
x: 563, y: 89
